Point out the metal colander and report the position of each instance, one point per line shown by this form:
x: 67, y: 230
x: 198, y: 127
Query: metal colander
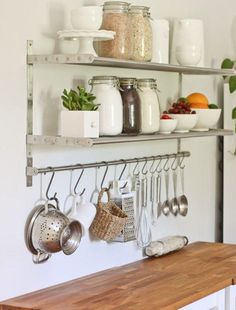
x: 49, y: 231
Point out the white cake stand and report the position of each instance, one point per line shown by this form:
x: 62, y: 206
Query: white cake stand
x: 86, y: 38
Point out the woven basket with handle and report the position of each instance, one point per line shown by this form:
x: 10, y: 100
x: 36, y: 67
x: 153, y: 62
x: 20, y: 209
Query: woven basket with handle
x: 109, y: 220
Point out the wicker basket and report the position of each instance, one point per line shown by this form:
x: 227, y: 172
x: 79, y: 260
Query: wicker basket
x: 109, y: 220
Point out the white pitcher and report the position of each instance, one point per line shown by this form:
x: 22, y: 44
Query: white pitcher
x: 160, y: 33
x: 188, y: 42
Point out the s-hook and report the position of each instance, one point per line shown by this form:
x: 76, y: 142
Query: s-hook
x: 166, y: 168
x: 181, y: 162
x: 174, y: 164
x: 49, y: 186
x: 145, y: 167
x: 136, y: 174
x: 104, y: 176
x: 159, y: 170
x: 122, y: 172
x: 152, y: 165
x: 77, y: 183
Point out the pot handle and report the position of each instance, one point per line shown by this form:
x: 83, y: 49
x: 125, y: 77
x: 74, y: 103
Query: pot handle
x: 40, y: 257
x: 56, y: 205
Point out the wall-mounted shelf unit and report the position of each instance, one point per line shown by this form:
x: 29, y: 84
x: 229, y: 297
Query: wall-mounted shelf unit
x: 67, y: 141
x: 90, y: 60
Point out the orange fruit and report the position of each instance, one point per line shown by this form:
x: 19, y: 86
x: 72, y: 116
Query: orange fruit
x: 198, y: 101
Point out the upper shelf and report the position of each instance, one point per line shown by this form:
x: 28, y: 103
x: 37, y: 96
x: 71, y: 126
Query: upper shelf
x: 90, y: 60
x: 68, y: 141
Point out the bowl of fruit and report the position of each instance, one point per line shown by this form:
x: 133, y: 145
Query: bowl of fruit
x: 209, y: 114
x: 167, y: 124
x: 186, y: 118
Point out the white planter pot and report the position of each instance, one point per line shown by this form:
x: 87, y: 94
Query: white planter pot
x: 80, y: 124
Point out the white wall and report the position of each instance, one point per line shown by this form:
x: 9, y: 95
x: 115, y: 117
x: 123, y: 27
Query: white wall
x: 39, y: 20
x: 229, y: 170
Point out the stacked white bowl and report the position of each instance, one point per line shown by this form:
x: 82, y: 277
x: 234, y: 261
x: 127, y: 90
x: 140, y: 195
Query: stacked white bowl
x: 87, y: 18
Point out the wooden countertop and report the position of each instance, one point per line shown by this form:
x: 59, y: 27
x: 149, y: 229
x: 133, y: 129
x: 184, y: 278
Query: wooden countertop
x: 169, y: 282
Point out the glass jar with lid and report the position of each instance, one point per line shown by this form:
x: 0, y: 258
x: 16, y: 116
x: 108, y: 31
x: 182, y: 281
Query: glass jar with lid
x: 106, y: 90
x: 150, y: 105
x: 131, y: 106
x: 116, y: 18
x: 141, y: 33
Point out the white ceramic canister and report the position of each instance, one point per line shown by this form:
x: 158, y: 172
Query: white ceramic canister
x: 106, y: 90
x: 160, y: 43
x: 150, y: 105
x: 188, y: 41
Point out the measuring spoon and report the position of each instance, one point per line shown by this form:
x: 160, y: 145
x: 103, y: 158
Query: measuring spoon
x: 183, y: 201
x: 166, y: 204
x: 174, y: 202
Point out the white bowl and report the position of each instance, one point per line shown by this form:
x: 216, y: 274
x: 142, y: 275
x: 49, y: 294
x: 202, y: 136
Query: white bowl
x: 167, y: 126
x: 188, y: 55
x: 87, y: 18
x: 208, y: 118
x: 185, y: 122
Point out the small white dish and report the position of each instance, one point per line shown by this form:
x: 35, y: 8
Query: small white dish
x: 87, y: 18
x: 185, y: 123
x: 167, y: 126
x: 208, y: 118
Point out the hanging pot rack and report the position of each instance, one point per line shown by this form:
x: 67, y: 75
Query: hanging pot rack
x: 33, y: 171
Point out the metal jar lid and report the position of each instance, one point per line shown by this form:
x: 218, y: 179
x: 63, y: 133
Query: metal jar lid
x: 125, y: 81
x: 152, y: 83
x: 118, y: 6
x: 102, y: 79
x: 138, y: 9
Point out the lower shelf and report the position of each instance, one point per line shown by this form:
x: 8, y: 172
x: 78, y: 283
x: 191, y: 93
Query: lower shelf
x: 87, y: 142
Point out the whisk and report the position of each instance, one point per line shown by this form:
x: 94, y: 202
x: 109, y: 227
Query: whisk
x: 143, y: 232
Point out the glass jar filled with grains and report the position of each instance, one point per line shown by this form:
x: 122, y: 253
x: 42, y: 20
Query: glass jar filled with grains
x: 116, y: 18
x: 141, y: 33
x: 131, y: 106
x: 150, y: 105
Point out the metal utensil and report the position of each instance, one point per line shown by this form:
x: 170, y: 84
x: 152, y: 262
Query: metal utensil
x: 143, y: 233
x: 174, y: 202
x: 152, y: 196
x: 166, y: 204
x: 158, y: 194
x: 183, y: 201
x: 136, y: 186
x: 153, y: 199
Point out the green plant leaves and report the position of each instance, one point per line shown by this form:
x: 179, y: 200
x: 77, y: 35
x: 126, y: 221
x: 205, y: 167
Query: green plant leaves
x: 232, y: 84
x: 79, y: 101
x: 227, y: 64
x: 213, y: 106
x: 234, y: 113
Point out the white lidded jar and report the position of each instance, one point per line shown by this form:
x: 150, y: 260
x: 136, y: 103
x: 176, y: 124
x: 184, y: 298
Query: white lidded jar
x: 150, y: 105
x: 106, y: 90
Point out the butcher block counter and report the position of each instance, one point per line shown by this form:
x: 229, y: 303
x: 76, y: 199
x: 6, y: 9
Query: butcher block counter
x: 169, y: 282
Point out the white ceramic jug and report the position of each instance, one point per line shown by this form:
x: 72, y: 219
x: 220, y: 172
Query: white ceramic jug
x: 160, y: 44
x: 188, y: 42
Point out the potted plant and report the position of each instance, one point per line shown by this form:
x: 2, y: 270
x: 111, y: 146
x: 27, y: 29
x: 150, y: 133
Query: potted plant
x: 81, y: 119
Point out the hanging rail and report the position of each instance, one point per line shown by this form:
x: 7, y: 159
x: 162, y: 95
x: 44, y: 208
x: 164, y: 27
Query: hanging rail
x: 32, y: 171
